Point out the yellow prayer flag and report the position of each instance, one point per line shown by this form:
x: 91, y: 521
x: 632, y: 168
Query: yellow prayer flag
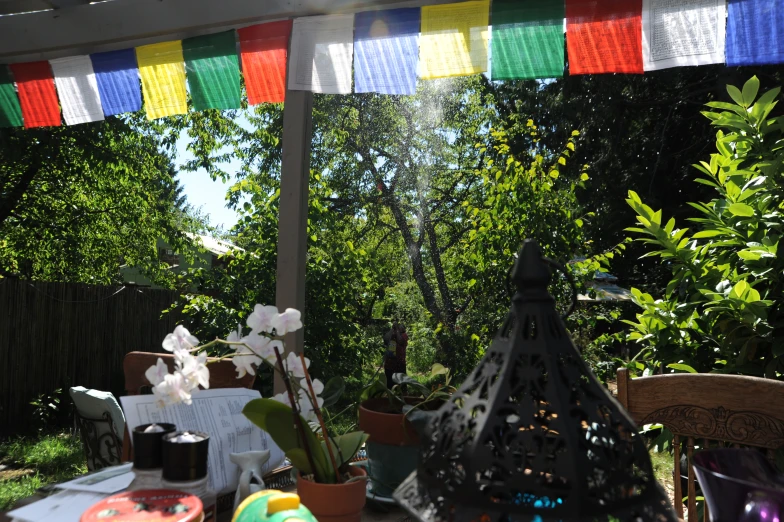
x: 162, y: 68
x: 454, y: 39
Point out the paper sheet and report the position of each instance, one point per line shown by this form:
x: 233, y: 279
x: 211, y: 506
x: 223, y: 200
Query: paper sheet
x: 754, y: 32
x: 218, y: 413
x: 322, y: 49
x: 162, y: 69
x: 77, y: 89
x: 107, y: 481
x: 66, y: 506
x: 454, y: 39
x: 604, y: 36
x: 678, y: 33
x: 386, y: 51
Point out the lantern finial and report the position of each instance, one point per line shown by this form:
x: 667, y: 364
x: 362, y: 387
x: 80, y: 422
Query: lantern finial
x: 530, y: 270
x: 531, y: 435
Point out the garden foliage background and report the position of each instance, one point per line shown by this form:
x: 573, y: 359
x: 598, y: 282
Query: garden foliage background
x: 418, y: 204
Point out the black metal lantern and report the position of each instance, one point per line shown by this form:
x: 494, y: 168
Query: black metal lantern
x: 531, y: 435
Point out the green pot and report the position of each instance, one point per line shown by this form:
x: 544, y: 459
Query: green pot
x: 389, y: 465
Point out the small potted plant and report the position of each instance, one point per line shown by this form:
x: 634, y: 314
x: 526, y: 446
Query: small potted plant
x: 386, y: 414
x: 333, y: 490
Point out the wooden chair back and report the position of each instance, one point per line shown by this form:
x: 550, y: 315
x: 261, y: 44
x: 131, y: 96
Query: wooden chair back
x: 710, y: 408
x: 223, y: 374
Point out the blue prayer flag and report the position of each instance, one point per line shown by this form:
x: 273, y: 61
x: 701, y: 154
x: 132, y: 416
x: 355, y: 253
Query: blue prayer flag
x: 386, y: 51
x: 755, y: 32
x: 118, y: 81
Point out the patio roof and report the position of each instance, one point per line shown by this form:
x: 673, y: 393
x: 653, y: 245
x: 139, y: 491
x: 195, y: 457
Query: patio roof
x: 44, y: 29
x: 32, y: 30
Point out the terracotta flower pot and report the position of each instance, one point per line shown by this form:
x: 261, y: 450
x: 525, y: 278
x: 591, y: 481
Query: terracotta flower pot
x: 385, y: 427
x: 392, y: 446
x: 334, y: 502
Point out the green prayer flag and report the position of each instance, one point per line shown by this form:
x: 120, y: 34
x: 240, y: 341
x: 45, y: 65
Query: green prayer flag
x: 10, y: 110
x: 527, y: 40
x: 213, y: 71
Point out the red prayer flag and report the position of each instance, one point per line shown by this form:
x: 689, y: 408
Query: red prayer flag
x: 37, y: 96
x: 263, y: 49
x: 604, y: 36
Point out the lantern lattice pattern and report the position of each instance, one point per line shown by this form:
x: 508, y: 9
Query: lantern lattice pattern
x: 531, y: 435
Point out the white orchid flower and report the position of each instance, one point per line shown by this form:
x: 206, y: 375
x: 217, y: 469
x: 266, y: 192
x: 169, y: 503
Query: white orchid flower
x: 173, y: 389
x: 294, y: 366
x: 261, y: 318
x: 245, y: 360
x: 288, y: 321
x: 155, y: 374
x: 194, y: 370
x: 236, y: 335
x: 282, y: 398
x: 181, y: 339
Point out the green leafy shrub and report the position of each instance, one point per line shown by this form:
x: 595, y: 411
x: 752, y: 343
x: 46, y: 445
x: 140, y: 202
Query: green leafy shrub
x: 721, y: 310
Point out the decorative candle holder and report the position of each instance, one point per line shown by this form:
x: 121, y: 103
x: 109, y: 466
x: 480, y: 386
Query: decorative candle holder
x: 531, y: 435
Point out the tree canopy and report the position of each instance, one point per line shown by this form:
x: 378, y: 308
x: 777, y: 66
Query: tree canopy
x: 78, y: 201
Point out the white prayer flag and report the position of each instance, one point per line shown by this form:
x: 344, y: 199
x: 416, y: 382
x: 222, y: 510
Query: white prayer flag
x: 677, y: 33
x: 322, y: 48
x: 77, y: 89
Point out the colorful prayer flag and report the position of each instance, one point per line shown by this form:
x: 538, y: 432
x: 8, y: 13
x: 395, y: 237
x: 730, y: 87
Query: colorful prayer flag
x: 755, y: 32
x: 37, y: 96
x: 527, y: 39
x: 77, y: 89
x: 454, y: 39
x: 263, y: 49
x: 162, y: 69
x: 604, y: 36
x: 321, y: 51
x: 118, y: 81
x: 10, y: 111
x: 386, y: 51
x: 213, y: 71
x: 677, y: 34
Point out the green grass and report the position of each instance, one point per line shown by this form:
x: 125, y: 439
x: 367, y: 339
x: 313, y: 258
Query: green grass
x: 37, y: 461
x: 662, y: 466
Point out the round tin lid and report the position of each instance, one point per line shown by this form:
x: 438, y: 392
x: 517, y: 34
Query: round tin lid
x: 146, y: 505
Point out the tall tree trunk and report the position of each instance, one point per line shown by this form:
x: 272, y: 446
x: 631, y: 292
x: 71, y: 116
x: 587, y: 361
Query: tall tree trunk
x: 414, y: 250
x: 450, y: 315
x: 14, y: 196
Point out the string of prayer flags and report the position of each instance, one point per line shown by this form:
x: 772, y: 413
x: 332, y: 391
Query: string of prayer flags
x: 386, y: 51
x: 686, y: 32
x: 322, y: 48
x: 10, y: 111
x: 162, y: 71
x: 604, y: 36
x: 77, y: 89
x: 454, y: 39
x: 755, y: 32
x: 37, y: 96
x: 527, y: 40
x: 213, y: 71
x: 264, y: 49
x: 118, y: 81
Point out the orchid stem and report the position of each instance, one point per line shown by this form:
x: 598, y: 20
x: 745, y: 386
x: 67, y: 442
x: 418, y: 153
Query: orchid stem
x: 298, y: 427
x: 316, y: 408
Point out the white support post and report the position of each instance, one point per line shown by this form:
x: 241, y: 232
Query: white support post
x: 293, y: 212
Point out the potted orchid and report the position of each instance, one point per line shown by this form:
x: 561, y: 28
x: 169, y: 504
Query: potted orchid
x: 293, y: 418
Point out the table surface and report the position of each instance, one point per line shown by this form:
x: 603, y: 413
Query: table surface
x: 373, y: 512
